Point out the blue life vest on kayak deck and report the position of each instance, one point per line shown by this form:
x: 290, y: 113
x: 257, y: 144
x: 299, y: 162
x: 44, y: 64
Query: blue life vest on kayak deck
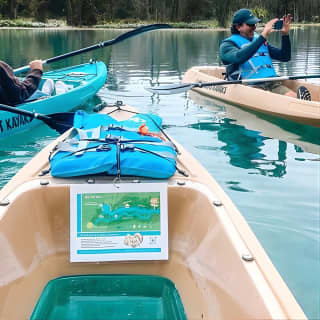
x: 258, y: 66
x: 100, y: 144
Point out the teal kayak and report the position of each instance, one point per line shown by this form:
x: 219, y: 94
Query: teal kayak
x: 79, y: 84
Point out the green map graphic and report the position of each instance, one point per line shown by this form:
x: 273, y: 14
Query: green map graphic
x: 116, y: 212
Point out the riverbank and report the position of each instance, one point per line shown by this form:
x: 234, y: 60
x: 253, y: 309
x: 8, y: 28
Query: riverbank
x: 61, y: 24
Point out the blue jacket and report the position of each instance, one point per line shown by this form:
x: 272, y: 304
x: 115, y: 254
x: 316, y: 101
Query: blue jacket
x: 232, y: 55
x: 258, y: 66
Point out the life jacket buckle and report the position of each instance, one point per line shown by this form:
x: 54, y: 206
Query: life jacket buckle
x: 103, y: 147
x: 112, y: 126
x: 111, y: 138
x: 127, y: 147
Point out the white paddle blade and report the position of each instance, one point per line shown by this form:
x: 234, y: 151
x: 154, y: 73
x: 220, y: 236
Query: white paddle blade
x: 170, y: 88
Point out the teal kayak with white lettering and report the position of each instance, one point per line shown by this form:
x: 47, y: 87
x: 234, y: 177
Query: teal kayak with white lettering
x: 73, y: 86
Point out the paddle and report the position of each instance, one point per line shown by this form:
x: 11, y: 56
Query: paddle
x: 183, y: 87
x: 60, y: 122
x: 107, y: 43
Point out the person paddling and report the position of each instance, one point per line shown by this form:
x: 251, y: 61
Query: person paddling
x: 12, y: 90
x: 248, y: 55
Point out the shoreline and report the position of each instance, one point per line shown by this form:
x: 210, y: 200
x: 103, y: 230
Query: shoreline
x: 192, y: 26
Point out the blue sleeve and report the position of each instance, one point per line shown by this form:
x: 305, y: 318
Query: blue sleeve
x: 283, y: 54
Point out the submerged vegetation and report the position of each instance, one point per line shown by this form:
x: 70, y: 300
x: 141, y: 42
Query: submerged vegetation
x: 118, y: 13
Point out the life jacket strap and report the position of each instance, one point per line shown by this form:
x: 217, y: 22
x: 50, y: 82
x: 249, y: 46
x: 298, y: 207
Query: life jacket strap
x: 78, y: 148
x: 114, y: 138
x: 119, y: 104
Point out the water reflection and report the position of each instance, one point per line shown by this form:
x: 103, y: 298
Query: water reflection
x: 245, y: 148
x: 22, y: 46
x: 305, y: 138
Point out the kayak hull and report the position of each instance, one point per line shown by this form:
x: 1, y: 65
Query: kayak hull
x: 215, y: 261
x: 83, y: 81
x: 300, y: 111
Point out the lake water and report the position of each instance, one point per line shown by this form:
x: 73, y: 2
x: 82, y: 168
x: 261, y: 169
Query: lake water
x: 269, y: 167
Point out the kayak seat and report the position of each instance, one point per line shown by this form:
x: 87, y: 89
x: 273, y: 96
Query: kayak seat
x: 61, y: 87
x: 109, y: 296
x: 48, y: 87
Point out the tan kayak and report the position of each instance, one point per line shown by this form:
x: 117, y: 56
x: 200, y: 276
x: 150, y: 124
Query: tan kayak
x: 253, y: 121
x: 305, y: 112
x: 217, y: 265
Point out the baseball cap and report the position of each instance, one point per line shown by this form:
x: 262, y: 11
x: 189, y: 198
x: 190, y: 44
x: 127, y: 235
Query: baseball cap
x: 244, y: 15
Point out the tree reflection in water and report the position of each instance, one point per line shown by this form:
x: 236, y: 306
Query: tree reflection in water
x: 245, y: 148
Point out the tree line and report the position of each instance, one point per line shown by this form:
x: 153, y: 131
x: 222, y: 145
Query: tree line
x: 92, y: 12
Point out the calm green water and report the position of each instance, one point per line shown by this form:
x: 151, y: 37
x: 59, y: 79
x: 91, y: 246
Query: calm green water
x: 269, y: 167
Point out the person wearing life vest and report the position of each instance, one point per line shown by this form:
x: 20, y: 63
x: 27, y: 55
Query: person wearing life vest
x: 248, y: 55
x: 12, y: 90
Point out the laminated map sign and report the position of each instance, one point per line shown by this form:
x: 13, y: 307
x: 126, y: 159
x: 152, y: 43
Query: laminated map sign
x: 118, y: 223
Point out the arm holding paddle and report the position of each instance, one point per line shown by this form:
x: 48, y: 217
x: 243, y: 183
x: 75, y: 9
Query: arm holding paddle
x: 13, y: 91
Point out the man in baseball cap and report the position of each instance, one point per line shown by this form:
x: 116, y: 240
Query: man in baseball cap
x: 244, y: 16
x: 248, y: 55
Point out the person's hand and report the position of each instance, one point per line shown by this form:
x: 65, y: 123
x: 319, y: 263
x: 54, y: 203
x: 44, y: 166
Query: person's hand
x: 36, y: 64
x: 268, y: 28
x: 286, y: 24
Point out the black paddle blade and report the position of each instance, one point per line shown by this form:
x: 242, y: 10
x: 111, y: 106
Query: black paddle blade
x: 61, y: 122
x: 137, y: 31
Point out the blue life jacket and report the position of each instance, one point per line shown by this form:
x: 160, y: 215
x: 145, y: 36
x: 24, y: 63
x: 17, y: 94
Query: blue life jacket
x: 100, y: 144
x: 258, y: 66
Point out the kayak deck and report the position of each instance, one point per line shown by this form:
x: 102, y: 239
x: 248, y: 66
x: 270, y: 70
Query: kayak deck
x: 301, y: 111
x: 73, y: 76
x: 216, y: 263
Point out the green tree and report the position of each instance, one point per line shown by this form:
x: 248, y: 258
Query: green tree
x: 40, y: 10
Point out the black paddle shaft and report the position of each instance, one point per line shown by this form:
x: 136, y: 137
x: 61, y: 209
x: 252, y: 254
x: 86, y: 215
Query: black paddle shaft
x: 111, y: 42
x: 183, y: 87
x: 101, y: 45
x: 60, y: 122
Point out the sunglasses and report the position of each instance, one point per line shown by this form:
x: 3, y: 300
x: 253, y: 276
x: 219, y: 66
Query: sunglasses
x: 250, y: 25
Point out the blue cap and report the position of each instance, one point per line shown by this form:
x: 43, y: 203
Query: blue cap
x: 244, y: 15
